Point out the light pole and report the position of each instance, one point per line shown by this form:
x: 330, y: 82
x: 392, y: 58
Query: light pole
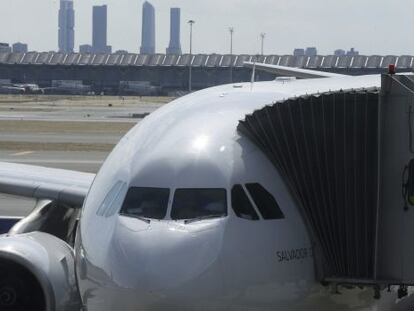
x: 231, y: 29
x: 190, y: 22
x: 262, y: 35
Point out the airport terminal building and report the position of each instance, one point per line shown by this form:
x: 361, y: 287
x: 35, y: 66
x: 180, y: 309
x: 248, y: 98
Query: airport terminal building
x: 161, y: 74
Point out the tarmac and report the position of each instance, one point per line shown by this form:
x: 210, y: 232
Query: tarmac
x: 66, y: 133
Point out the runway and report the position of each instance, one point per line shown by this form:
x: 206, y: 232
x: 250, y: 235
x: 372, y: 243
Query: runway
x: 90, y: 138
x: 84, y: 161
x: 78, y: 108
x: 61, y: 137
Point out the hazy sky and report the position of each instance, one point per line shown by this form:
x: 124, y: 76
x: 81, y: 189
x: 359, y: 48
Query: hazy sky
x: 372, y: 26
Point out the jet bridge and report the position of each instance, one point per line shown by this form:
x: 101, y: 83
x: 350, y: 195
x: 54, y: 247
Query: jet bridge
x: 346, y: 156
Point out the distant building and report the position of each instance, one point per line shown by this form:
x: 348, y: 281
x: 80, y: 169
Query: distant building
x: 339, y: 52
x: 121, y: 52
x: 299, y: 52
x: 108, y: 49
x: 175, y: 29
x: 66, y: 26
x: 85, y: 49
x: 311, y: 51
x: 148, y: 29
x: 352, y: 52
x: 99, y: 30
x: 5, y: 48
x: 19, y: 47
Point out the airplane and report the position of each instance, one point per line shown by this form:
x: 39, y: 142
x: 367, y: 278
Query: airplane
x: 186, y: 213
x: 31, y: 88
x: 19, y: 88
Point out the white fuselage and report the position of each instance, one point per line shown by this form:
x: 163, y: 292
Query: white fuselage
x: 228, y: 263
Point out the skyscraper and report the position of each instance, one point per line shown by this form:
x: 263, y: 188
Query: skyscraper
x: 148, y: 29
x: 99, y: 31
x: 175, y: 26
x: 66, y: 26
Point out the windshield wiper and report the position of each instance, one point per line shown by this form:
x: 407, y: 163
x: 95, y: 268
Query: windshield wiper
x: 138, y: 217
x: 143, y: 219
x: 188, y: 221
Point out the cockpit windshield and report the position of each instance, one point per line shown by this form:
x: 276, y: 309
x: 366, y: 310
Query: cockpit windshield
x: 199, y: 203
x: 143, y: 202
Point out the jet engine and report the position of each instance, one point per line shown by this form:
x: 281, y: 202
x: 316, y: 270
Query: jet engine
x: 37, y: 274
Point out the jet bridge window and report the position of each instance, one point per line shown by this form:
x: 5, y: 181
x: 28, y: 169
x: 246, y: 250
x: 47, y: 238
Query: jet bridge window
x: 199, y: 203
x: 146, y: 202
x: 265, y: 202
x: 241, y: 204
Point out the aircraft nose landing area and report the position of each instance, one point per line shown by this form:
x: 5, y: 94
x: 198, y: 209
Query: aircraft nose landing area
x: 166, y: 260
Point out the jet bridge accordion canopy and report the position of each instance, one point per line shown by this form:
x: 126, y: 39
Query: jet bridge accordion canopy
x: 326, y: 148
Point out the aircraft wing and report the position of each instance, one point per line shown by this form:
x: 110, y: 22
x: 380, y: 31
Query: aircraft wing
x: 291, y: 71
x: 68, y: 187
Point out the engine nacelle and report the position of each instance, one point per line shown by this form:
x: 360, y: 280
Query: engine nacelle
x: 37, y: 274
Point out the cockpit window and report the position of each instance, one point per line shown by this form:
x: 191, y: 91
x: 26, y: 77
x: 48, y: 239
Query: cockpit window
x: 265, y: 202
x: 146, y: 202
x: 199, y: 203
x: 241, y: 204
x: 112, y: 200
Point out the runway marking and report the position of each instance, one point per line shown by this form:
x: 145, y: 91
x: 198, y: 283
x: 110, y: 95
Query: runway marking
x: 22, y: 153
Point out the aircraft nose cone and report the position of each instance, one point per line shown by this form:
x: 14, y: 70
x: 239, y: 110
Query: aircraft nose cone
x: 170, y: 258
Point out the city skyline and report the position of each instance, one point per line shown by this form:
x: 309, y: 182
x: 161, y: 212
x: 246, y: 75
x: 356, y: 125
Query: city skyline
x: 285, y: 24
